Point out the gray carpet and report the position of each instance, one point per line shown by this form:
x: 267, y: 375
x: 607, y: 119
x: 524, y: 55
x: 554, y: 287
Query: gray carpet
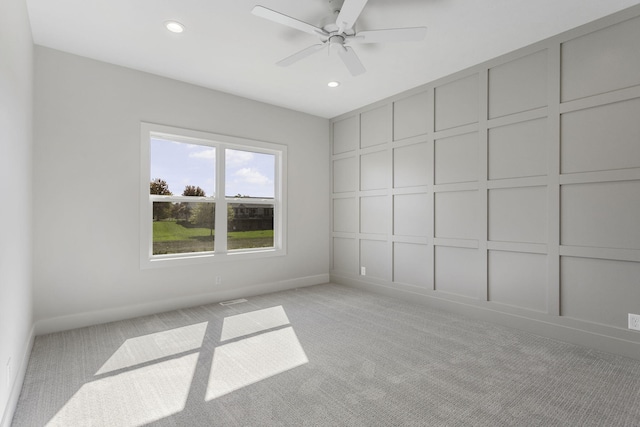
x: 323, y: 355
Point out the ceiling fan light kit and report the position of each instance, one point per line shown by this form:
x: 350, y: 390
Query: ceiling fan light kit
x: 338, y: 33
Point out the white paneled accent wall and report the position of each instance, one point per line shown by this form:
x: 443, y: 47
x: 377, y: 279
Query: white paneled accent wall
x: 510, y: 190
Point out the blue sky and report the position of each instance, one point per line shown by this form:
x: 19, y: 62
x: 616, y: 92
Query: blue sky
x: 181, y: 164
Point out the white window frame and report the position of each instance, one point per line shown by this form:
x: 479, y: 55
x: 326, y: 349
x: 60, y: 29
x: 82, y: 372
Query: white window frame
x: 220, y: 143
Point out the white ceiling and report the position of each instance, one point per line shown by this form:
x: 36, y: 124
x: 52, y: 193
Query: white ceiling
x: 227, y: 48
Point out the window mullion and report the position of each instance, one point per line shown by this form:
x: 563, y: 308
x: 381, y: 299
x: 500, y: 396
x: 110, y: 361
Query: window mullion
x: 178, y: 199
x: 220, y: 242
x: 251, y: 201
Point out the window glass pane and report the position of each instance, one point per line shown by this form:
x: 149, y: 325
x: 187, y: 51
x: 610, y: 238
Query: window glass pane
x: 182, y: 169
x: 213, y: 170
x: 183, y: 227
x: 249, y: 226
x: 249, y: 174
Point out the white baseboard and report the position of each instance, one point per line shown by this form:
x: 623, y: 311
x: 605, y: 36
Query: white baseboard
x: 572, y: 331
x: 73, y: 321
x: 16, y: 387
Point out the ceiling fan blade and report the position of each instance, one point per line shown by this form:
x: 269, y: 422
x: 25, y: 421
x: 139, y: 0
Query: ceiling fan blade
x: 351, y: 60
x: 390, y: 35
x: 280, y: 18
x: 349, y: 13
x: 300, y: 55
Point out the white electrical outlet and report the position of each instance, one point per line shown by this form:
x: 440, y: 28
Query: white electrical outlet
x: 218, y: 280
x: 363, y: 271
x: 634, y: 321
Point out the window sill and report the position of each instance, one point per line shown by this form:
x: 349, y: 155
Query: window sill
x: 177, y: 260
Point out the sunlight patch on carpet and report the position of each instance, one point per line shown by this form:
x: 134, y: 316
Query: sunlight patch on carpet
x: 146, y: 348
x: 132, y: 398
x: 252, y: 322
x: 245, y: 362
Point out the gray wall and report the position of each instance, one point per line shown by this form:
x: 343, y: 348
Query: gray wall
x: 86, y: 178
x: 509, y: 191
x: 16, y: 111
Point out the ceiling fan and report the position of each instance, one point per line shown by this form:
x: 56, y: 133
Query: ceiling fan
x: 340, y: 34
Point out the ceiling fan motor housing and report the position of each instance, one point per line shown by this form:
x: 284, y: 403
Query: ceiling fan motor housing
x: 336, y: 41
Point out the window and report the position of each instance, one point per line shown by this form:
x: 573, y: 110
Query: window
x: 209, y: 197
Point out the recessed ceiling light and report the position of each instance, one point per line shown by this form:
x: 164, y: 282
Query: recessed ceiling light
x: 333, y: 84
x: 174, y: 26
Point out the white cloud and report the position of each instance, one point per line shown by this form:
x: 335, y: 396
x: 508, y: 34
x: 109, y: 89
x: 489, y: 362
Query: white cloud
x: 236, y: 158
x: 162, y: 140
x: 251, y: 176
x: 208, y: 153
